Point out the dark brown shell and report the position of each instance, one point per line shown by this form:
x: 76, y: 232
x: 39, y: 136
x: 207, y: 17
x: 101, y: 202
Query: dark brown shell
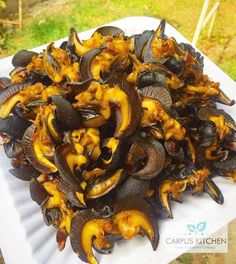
x: 4, y: 82
x: 230, y: 142
x: 104, y: 180
x: 53, y: 130
x: 85, y: 63
x: 14, y: 126
x: 11, y: 90
x: 38, y: 193
x: 160, y: 31
x: 66, y: 116
x: 176, y: 66
x: 148, y: 56
x: 112, y: 239
x: 153, y: 157
x: 12, y: 148
x: 174, y: 150
x: 25, y: 173
x: 27, y: 145
x: 28, y: 111
x: 159, y: 93
x: 70, y: 42
x: 105, y: 250
x: 17, y: 70
x: 135, y: 104
x: 110, y: 31
x: 140, y: 42
x: 187, y: 47
x: 64, y: 170
x: 90, y: 118
x: 70, y: 195
x: 223, y: 99
x: 139, y: 204
x: 212, y: 189
x: 61, y: 239
x: 226, y: 165
x: 52, y: 216
x: 117, y: 159
x: 151, y: 77
x: 206, y: 112
x: 23, y: 57
x: 77, y: 224
x: 79, y: 87
x: 64, y: 45
x: 133, y: 187
x: 208, y: 132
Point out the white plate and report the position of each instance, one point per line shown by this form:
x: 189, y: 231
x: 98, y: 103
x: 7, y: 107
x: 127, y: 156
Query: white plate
x: 24, y: 238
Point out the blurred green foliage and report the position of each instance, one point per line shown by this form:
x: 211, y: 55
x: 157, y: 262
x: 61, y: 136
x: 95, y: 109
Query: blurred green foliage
x: 54, y: 23
x: 3, y: 35
x: 2, y: 4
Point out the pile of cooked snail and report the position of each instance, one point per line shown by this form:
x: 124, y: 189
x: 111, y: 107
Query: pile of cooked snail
x: 110, y: 130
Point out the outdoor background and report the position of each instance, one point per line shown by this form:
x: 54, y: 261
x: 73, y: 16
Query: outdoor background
x: 49, y: 20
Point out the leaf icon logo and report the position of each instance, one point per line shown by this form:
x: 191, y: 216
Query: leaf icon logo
x: 191, y: 228
x: 201, y: 226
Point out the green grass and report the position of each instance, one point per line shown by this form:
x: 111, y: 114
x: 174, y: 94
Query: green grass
x: 230, y: 68
x: 84, y: 14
